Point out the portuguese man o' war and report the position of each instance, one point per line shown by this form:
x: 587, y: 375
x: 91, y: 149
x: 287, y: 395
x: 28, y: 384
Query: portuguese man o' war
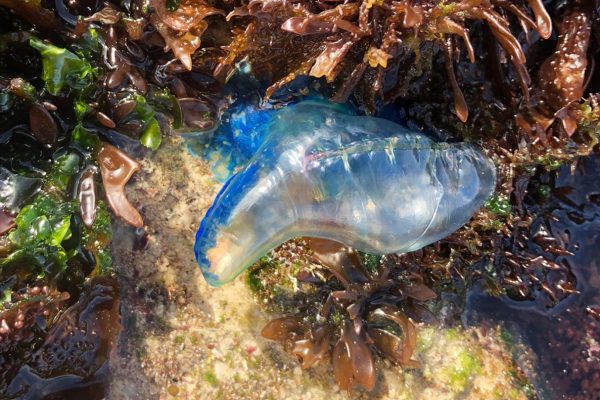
x: 366, y: 182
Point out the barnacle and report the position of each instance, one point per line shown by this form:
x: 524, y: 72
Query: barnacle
x: 364, y: 45
x: 363, y: 312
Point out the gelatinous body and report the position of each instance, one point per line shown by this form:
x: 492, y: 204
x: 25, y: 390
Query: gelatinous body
x: 366, y: 182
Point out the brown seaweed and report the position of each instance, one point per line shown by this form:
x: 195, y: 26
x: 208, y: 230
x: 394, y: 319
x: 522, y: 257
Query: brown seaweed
x: 42, y: 125
x: 562, y: 76
x: 73, y: 359
x: 21, y: 325
x: 7, y: 221
x: 330, y: 39
x: 117, y: 168
x: 182, y: 28
x: 34, y: 13
x: 363, y: 313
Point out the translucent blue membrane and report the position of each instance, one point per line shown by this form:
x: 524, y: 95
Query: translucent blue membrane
x: 366, y: 182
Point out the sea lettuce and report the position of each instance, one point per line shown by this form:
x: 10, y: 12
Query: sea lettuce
x: 61, y: 67
x: 152, y: 136
x: 48, y: 236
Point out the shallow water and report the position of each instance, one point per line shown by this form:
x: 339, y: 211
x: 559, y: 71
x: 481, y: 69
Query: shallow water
x: 184, y: 339
x: 566, y: 337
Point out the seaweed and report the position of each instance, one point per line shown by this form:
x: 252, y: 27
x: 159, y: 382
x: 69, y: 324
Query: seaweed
x: 61, y: 67
x: 349, y: 314
x: 47, y: 257
x: 364, y: 47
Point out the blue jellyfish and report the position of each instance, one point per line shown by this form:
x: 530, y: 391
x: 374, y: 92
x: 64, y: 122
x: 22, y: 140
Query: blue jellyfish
x: 322, y: 172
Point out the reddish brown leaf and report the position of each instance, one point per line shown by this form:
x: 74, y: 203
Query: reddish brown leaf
x: 419, y: 292
x: 279, y: 329
x: 307, y: 26
x: 542, y: 18
x: 343, y: 262
x: 311, y: 351
x: 188, y: 14
x: 7, y: 222
x: 117, y: 168
x: 363, y: 366
x: 342, y: 366
x: 329, y: 58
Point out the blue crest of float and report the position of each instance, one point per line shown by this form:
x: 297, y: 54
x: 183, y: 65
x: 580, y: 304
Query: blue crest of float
x: 322, y: 172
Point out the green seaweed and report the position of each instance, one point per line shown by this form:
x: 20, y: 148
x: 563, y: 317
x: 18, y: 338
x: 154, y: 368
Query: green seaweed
x: 42, y: 237
x: 371, y: 261
x: 97, y: 238
x: 253, y: 280
x: 499, y: 205
x: 173, y: 5
x: 254, y: 275
x: 41, y: 228
x: 88, y: 140
x: 151, y: 136
x: 61, y: 67
x: 163, y: 101
x: 63, y: 169
x: 85, y: 138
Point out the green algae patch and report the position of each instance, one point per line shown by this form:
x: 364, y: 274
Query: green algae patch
x: 210, y: 378
x: 457, y: 363
x: 499, y: 205
x: 459, y: 375
x: 371, y: 261
x: 253, y: 276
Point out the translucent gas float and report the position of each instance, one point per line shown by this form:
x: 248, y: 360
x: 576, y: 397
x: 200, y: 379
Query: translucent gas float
x: 366, y: 182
